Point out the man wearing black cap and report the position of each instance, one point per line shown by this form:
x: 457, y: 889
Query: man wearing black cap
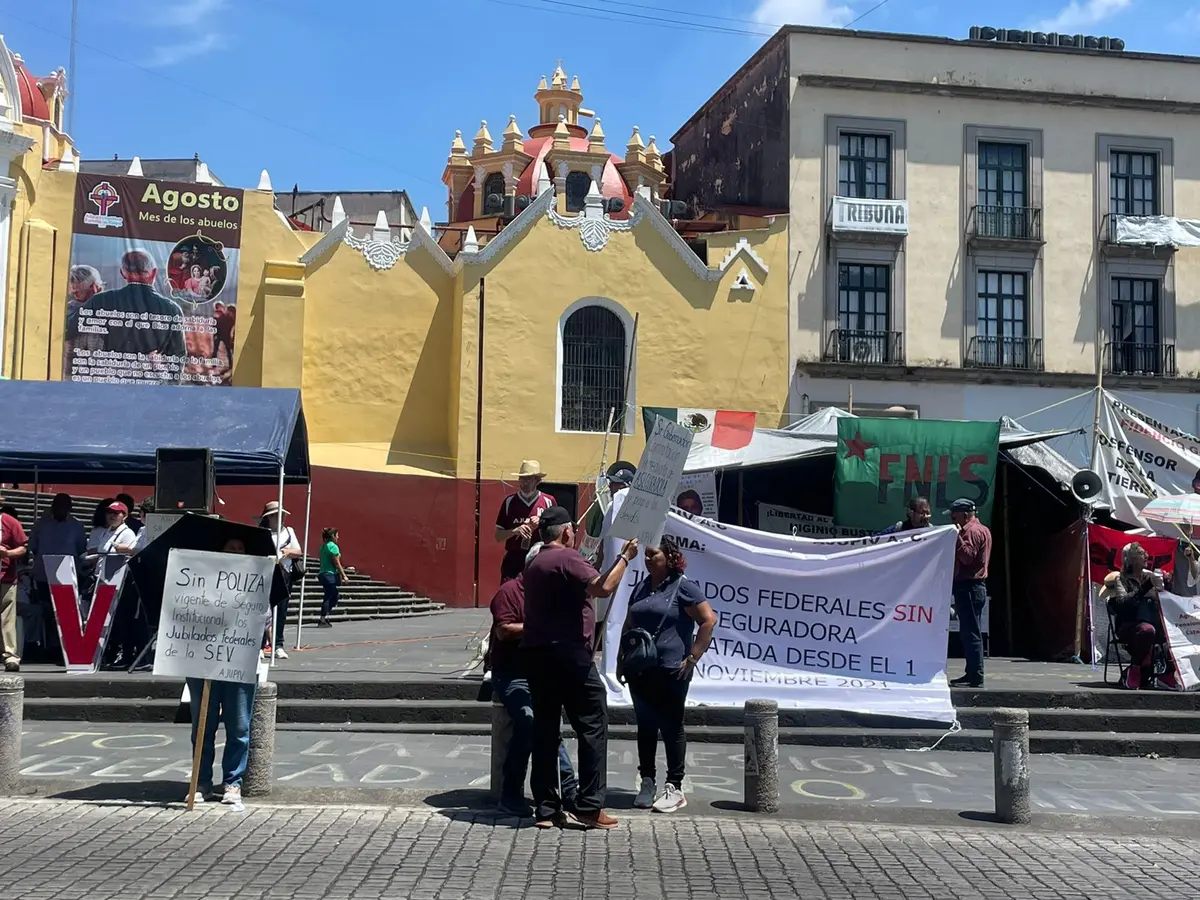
x: 620, y: 476
x: 971, y: 555
x: 559, y: 635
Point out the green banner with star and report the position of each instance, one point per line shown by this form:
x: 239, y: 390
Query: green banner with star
x: 883, y: 463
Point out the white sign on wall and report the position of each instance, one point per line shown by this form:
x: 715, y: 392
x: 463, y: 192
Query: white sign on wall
x: 704, y: 484
x: 880, y: 216
x: 646, y: 503
x: 214, y: 614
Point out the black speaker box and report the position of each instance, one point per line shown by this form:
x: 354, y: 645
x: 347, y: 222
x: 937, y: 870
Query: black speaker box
x: 184, y: 479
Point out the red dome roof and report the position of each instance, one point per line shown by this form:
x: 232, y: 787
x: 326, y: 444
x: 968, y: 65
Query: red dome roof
x: 611, y: 182
x: 33, y: 104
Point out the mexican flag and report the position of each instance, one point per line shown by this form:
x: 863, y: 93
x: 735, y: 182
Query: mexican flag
x: 884, y: 463
x: 724, y: 429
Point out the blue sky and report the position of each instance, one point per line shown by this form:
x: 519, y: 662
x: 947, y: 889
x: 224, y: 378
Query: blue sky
x: 366, y: 95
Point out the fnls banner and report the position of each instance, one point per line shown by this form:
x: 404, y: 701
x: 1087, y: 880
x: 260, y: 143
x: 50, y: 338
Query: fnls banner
x: 857, y: 625
x: 152, y: 290
x: 884, y: 463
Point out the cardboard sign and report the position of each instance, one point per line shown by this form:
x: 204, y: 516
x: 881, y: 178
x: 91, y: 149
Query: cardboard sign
x: 644, y: 510
x: 702, y: 483
x: 214, y: 614
x: 83, y: 637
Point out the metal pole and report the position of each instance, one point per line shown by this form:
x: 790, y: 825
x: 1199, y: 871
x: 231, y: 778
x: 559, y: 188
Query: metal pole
x: 1010, y: 750
x: 1008, y: 609
x: 479, y: 441
x: 304, y: 559
x: 628, y: 376
x: 761, y: 787
x: 12, y: 708
x: 71, y: 73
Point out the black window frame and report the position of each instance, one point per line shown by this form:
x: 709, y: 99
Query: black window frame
x: 1123, y: 180
x: 881, y: 284
x: 860, y: 163
x: 989, y: 161
x: 493, y: 178
x: 594, y: 367
x: 576, y: 201
x: 1002, y: 336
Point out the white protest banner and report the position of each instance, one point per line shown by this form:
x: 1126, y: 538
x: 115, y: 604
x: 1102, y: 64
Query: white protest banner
x: 1140, y: 458
x: 648, y: 500
x: 793, y: 543
x: 785, y: 520
x: 703, y: 484
x: 1181, y: 619
x: 817, y: 625
x: 214, y: 613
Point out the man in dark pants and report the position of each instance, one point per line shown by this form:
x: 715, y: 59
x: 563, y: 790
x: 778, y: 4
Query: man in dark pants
x: 511, y: 683
x: 972, y: 552
x: 559, y: 636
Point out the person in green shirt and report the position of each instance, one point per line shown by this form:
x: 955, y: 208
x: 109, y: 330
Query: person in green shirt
x: 331, y: 574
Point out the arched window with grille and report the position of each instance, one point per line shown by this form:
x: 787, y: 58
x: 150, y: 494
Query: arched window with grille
x: 592, y: 366
x: 493, y: 187
x: 578, y: 185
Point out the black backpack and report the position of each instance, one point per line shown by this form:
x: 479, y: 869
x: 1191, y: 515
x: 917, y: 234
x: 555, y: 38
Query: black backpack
x: 639, y: 648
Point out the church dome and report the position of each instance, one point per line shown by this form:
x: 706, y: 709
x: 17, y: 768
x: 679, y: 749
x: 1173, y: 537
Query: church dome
x: 33, y: 102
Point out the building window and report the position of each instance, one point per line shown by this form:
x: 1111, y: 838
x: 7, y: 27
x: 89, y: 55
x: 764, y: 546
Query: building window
x: 1132, y: 183
x: 593, y: 370
x: 1136, y: 343
x: 864, y: 166
x: 1002, y: 319
x: 1002, y: 175
x: 578, y: 185
x: 864, y: 314
x: 493, y: 194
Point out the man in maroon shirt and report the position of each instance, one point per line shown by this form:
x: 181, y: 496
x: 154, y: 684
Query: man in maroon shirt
x: 510, y: 683
x: 971, y: 555
x: 12, y: 548
x: 558, y: 637
x: 517, y: 521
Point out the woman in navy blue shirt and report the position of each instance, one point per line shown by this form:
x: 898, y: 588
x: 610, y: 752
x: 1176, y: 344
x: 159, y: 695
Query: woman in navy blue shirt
x: 668, y: 606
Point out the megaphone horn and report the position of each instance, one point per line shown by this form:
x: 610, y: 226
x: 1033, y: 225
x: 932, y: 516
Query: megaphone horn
x: 1086, y: 486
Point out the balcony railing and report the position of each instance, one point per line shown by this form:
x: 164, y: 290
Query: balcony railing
x: 870, y: 348
x: 992, y: 352
x: 1006, y: 223
x: 1127, y: 358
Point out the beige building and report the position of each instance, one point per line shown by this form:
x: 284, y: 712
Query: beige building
x: 976, y: 226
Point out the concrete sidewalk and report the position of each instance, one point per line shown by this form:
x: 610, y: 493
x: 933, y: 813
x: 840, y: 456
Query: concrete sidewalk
x: 59, y: 850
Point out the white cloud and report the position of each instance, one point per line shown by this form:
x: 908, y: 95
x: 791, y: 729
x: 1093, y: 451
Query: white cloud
x: 165, y: 55
x: 803, y: 12
x: 184, y: 13
x: 1077, y: 15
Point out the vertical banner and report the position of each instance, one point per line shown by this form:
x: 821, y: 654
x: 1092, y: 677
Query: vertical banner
x: 644, y: 509
x: 214, y: 613
x: 81, y: 635
x: 1140, y: 458
x: 152, y: 289
x: 884, y: 463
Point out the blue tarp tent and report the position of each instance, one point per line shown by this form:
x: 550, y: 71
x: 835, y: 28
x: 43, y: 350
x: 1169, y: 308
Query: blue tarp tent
x: 90, y: 433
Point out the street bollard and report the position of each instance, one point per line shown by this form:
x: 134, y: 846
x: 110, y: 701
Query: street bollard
x: 12, y: 713
x: 260, y: 767
x: 762, y: 756
x: 1010, y: 749
x: 502, y: 729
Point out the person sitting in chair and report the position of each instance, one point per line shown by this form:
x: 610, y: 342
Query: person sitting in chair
x: 1132, y: 599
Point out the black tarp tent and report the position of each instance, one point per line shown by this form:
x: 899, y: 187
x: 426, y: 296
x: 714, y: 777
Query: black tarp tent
x: 66, y: 432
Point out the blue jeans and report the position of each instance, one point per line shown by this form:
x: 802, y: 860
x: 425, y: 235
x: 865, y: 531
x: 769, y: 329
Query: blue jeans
x: 969, y: 599
x: 230, y: 702
x: 329, y: 584
x: 514, y: 694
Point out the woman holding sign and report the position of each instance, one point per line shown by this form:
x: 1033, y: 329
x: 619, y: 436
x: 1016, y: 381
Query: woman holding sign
x: 660, y: 646
x: 230, y: 702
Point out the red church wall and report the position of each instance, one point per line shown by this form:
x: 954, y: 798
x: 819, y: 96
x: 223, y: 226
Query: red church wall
x: 413, y: 531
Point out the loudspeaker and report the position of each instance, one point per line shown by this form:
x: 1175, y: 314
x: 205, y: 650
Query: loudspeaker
x: 183, y: 479
x: 1086, y: 486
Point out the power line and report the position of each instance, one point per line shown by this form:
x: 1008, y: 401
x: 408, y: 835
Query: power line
x: 581, y: 11
x: 223, y: 100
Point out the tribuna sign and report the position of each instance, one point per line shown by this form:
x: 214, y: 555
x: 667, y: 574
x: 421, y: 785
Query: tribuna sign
x: 883, y: 216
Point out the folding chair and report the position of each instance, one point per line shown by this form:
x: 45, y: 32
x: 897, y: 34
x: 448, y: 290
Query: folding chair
x: 1117, y: 654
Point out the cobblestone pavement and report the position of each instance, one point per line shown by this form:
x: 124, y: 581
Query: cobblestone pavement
x: 51, y: 850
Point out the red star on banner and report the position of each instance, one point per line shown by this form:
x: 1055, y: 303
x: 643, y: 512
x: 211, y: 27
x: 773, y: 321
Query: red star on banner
x: 856, y: 446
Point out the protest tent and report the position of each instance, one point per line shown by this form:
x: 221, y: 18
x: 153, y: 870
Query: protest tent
x: 95, y: 433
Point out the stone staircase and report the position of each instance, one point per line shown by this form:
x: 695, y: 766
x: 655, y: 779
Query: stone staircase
x: 362, y: 597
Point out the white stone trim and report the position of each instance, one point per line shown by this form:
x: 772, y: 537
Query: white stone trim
x: 509, y: 233
x: 12, y: 145
x: 10, y: 90
x: 742, y: 282
x: 740, y: 248
x: 380, y: 255
x: 8, y: 194
x: 630, y: 367
x: 328, y: 241
x: 643, y: 208
x: 594, y: 227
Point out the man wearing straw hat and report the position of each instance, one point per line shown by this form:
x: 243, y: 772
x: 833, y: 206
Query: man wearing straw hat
x: 519, y: 517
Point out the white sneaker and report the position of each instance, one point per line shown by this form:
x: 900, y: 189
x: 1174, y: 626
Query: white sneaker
x: 645, y: 796
x: 232, y: 795
x: 280, y: 653
x: 670, y: 800
x: 203, y: 792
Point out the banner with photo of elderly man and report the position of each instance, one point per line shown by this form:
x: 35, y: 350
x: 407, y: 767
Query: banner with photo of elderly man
x: 1140, y: 458
x: 854, y: 625
x: 152, y: 287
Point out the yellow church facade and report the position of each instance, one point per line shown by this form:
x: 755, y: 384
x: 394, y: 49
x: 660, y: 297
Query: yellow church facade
x: 434, y: 358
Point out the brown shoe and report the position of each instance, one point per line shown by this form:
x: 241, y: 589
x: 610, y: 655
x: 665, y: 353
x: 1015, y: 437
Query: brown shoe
x: 558, y: 820
x: 600, y: 820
